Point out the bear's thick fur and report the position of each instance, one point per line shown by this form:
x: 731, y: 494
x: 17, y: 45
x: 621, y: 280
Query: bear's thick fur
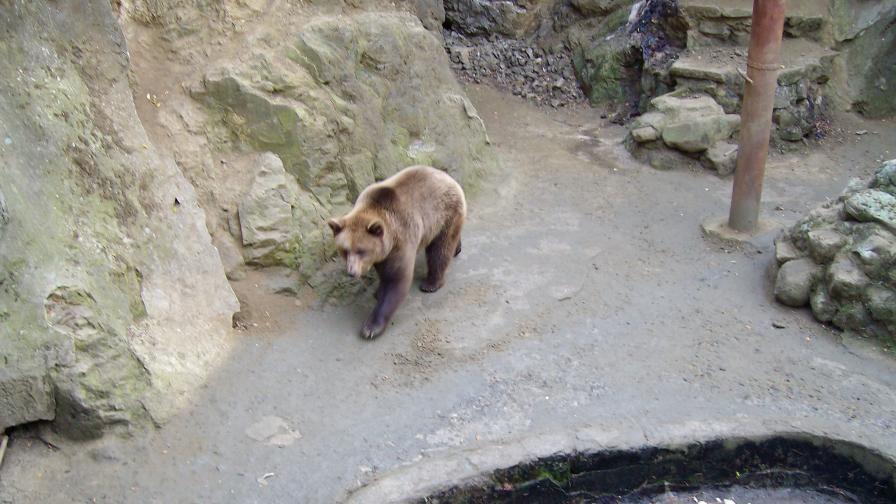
x: 417, y: 207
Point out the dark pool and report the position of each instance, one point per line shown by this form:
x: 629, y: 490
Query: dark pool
x: 783, y: 470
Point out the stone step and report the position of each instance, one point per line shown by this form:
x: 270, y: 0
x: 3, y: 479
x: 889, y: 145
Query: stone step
x: 799, y: 97
x: 799, y: 57
x: 721, y: 70
x: 728, y: 21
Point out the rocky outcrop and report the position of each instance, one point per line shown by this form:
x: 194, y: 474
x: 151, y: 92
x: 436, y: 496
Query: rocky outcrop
x: 841, y: 259
x: 341, y: 103
x: 515, y: 19
x: 863, y: 30
x: 113, y: 301
x: 542, y: 76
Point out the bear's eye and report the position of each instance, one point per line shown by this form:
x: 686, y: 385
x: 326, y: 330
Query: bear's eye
x: 360, y: 252
x: 343, y: 253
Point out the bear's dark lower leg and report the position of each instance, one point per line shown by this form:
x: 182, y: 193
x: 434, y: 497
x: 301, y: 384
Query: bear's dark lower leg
x: 438, y: 257
x: 395, y: 282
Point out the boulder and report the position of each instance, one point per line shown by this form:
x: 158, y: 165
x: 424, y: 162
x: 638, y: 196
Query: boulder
x: 344, y: 102
x: 722, y: 157
x: 266, y: 218
x: 678, y: 108
x: 26, y: 395
x: 692, y: 127
x: 691, y: 132
x: 885, y: 178
x: 873, y: 205
x: 609, y: 71
x: 786, y: 251
x: 881, y: 302
x: 431, y: 14
x: 114, y: 304
x: 824, y: 244
x: 794, y: 282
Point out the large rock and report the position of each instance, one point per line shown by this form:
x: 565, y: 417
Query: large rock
x: 824, y: 243
x: 272, y: 211
x: 722, y: 157
x: 111, y: 293
x: 873, y: 205
x: 607, y: 62
x: 864, y: 30
x: 431, y: 14
x: 855, y: 247
x: 342, y: 103
x: 599, y: 7
x: 26, y: 395
x: 794, y: 282
x: 699, y: 133
x: 845, y: 279
x: 609, y: 71
x: 885, y: 178
x: 687, y: 128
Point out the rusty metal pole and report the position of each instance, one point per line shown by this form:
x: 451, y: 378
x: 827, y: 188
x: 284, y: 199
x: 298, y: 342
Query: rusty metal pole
x: 756, y: 112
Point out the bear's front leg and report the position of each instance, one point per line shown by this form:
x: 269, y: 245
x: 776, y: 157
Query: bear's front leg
x: 396, y: 274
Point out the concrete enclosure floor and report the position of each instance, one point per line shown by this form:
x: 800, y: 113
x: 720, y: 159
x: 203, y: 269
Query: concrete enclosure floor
x: 585, y: 297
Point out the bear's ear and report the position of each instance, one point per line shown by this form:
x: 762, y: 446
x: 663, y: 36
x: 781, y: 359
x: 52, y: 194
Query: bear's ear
x: 335, y: 225
x: 375, y: 227
x: 383, y: 197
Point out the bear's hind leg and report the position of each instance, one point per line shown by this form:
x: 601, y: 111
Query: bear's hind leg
x: 438, y: 256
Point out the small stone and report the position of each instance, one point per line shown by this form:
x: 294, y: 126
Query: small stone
x: 794, y: 282
x: 778, y: 325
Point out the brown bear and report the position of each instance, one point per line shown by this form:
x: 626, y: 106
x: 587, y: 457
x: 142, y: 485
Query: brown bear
x: 417, y: 207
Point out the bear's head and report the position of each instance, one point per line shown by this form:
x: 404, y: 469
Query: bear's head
x: 362, y: 239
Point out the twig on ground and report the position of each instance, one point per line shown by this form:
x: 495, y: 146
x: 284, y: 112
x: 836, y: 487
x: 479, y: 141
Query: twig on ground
x: 4, y: 440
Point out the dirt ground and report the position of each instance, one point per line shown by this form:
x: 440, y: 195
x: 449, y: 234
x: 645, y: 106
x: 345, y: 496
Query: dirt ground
x: 585, y: 296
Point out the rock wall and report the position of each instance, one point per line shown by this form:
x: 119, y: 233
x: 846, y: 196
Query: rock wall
x: 116, y: 233
x: 864, y: 31
x: 113, y: 301
x: 841, y: 259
